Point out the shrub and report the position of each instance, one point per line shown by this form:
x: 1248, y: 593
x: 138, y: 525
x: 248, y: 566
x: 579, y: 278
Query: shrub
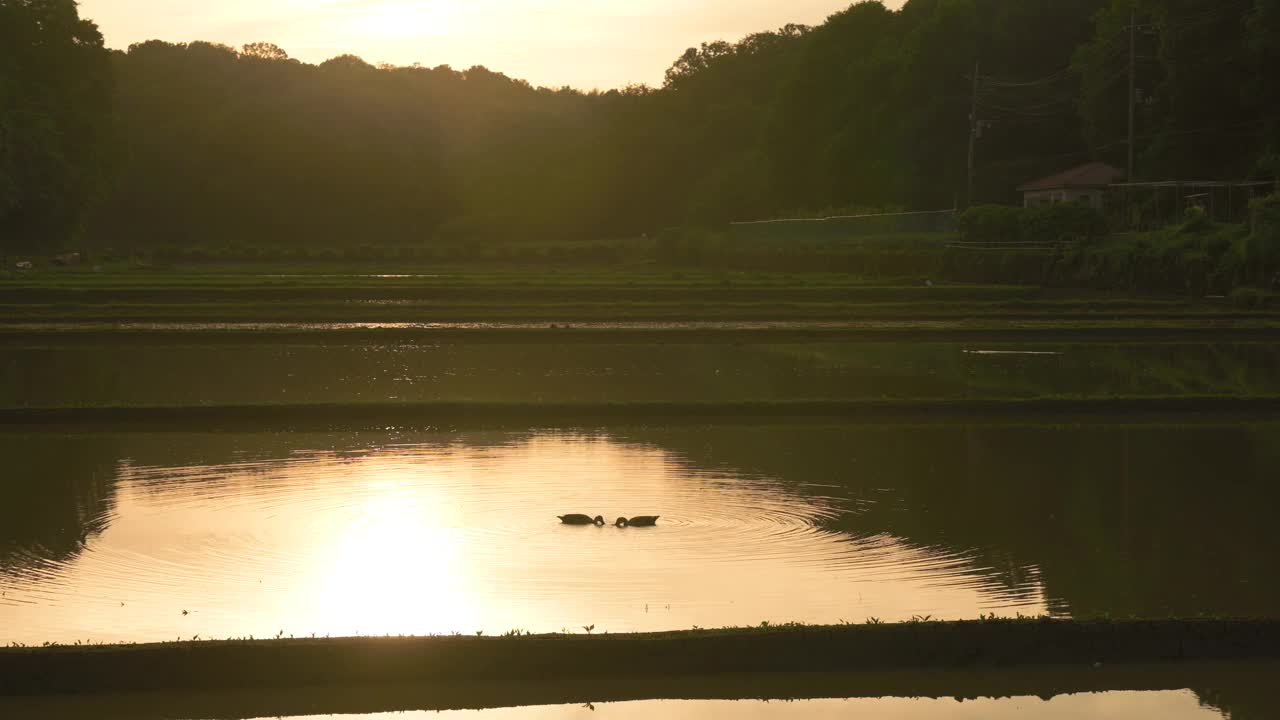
x: 991, y: 223
x: 363, y: 253
x: 1194, y: 220
x: 1064, y: 222
x: 1263, y: 245
x: 1249, y: 298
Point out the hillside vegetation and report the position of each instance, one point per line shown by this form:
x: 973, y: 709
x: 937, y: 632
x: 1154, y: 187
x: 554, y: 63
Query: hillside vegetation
x: 204, y: 145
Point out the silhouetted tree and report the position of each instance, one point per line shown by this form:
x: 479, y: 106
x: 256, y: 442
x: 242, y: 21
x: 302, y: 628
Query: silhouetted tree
x: 264, y: 50
x: 1207, y: 105
x: 55, y: 109
x: 869, y: 109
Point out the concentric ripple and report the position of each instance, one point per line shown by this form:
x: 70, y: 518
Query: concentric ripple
x: 462, y: 536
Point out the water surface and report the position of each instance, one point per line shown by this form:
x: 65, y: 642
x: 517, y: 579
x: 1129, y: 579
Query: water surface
x: 1121, y: 705
x: 171, y: 372
x: 112, y: 536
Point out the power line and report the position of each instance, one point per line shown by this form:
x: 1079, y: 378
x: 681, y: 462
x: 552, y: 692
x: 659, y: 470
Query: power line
x: 1193, y: 131
x: 1031, y: 110
x: 1057, y: 76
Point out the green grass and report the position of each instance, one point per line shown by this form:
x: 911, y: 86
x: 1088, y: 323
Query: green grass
x: 577, y: 305
x: 346, y: 293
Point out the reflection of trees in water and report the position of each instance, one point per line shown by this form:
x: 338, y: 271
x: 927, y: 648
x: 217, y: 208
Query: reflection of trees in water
x: 1239, y: 691
x: 59, y: 489
x: 57, y: 493
x: 1252, y: 698
x: 1141, y: 520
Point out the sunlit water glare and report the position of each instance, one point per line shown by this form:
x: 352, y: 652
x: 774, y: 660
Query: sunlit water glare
x: 1167, y: 705
x: 456, y: 537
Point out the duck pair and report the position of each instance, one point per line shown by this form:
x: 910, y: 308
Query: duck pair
x: 637, y: 521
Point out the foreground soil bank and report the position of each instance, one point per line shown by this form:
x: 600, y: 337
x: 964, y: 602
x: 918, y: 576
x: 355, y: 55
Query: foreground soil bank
x: 540, y: 659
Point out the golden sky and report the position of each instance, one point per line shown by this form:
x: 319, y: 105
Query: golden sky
x: 583, y: 43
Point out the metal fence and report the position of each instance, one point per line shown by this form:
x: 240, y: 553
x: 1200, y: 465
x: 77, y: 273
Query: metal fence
x: 1151, y: 205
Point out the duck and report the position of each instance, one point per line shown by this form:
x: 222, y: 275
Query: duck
x: 638, y: 521
x: 580, y: 519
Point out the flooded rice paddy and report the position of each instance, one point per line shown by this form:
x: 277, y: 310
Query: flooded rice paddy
x: 140, y: 371
x: 140, y: 536
x: 1121, y: 705
x: 134, y: 533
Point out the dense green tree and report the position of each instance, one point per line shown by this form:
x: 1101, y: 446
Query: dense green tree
x: 829, y: 140
x: 55, y: 121
x: 870, y: 109
x: 1261, y: 91
x: 717, y: 99
x: 1206, y: 104
x: 229, y: 147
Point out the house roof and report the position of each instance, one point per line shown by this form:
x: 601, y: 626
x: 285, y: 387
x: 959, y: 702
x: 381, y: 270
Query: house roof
x: 1091, y: 175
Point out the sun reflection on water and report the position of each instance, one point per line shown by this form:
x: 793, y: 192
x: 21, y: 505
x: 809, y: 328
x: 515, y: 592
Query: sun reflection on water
x: 393, y: 569
x: 460, y: 535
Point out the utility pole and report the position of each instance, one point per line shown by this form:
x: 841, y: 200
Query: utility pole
x: 973, y: 133
x: 1133, y: 31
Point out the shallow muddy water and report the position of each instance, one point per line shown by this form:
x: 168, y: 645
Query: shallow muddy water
x: 139, y: 536
x: 160, y: 372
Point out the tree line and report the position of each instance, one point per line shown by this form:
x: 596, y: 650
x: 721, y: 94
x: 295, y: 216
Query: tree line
x: 204, y: 144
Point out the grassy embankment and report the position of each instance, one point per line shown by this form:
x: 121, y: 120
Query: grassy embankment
x: 614, y: 305
x: 1062, y: 246
x: 386, y: 292
x: 580, y: 660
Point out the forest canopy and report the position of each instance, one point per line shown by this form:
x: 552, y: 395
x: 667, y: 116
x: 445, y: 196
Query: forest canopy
x: 56, y: 106
x: 215, y: 145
